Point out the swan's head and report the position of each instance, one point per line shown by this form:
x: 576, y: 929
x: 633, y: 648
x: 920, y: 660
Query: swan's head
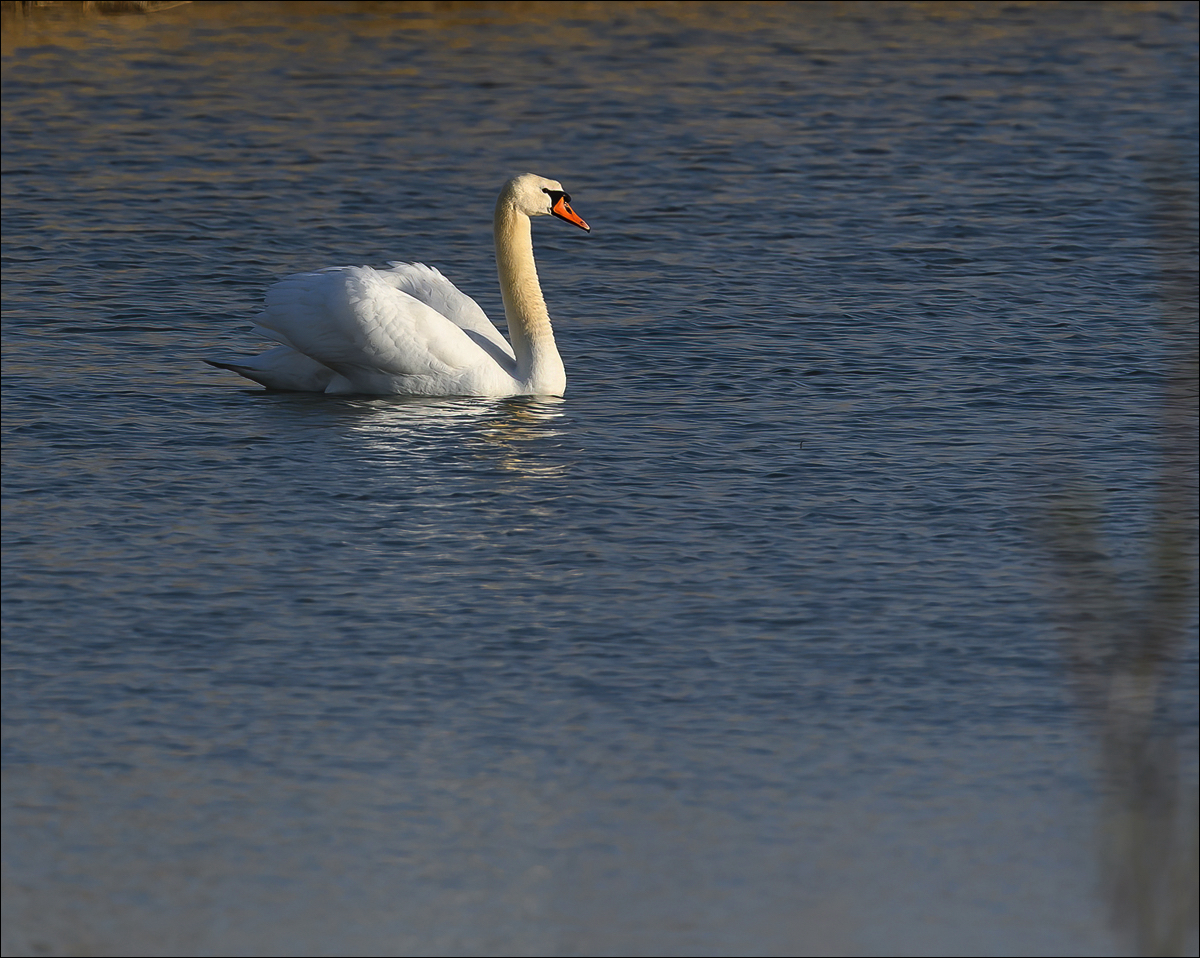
x: 535, y: 195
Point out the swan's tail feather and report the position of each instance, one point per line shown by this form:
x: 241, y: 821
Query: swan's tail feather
x: 281, y: 368
x: 257, y: 375
x: 248, y: 371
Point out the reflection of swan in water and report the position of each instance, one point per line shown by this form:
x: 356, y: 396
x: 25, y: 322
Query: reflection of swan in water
x: 512, y: 435
x: 409, y: 330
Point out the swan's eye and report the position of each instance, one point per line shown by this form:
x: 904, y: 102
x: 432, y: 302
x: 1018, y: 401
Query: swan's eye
x: 556, y: 195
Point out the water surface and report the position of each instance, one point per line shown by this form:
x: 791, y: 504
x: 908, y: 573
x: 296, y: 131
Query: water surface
x: 747, y: 645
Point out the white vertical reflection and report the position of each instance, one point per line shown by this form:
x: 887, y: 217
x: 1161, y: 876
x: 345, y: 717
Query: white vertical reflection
x: 510, y: 433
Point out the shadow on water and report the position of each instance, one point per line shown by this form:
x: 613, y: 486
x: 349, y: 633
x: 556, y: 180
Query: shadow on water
x: 1123, y: 644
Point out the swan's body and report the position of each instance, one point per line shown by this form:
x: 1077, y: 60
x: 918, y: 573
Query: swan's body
x: 409, y: 331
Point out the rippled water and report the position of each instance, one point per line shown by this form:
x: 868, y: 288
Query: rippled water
x: 746, y: 646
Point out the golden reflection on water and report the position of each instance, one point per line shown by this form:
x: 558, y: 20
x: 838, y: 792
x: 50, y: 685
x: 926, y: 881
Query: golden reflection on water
x: 567, y: 22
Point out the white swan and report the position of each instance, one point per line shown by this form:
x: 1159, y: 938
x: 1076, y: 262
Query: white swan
x: 409, y: 331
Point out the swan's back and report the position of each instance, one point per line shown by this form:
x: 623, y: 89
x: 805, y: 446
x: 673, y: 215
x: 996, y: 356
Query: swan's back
x: 354, y: 320
x: 427, y: 284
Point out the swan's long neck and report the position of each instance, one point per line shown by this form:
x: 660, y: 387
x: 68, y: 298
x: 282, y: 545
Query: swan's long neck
x: 538, y: 363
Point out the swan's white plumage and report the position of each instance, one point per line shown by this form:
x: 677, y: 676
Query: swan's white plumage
x: 376, y: 337
x: 408, y: 330
x: 433, y: 289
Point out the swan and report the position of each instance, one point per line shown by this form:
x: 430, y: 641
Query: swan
x: 409, y: 331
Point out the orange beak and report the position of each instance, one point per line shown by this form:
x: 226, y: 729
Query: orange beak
x: 562, y: 209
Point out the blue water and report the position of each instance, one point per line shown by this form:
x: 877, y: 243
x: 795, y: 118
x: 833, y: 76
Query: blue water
x: 750, y: 644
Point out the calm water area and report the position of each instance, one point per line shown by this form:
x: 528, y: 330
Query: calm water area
x: 751, y: 644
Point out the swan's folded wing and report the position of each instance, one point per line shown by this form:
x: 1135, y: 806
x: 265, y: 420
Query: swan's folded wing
x: 433, y: 289
x: 349, y: 318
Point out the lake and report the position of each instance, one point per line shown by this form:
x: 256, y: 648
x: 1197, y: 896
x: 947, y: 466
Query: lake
x: 773, y: 636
